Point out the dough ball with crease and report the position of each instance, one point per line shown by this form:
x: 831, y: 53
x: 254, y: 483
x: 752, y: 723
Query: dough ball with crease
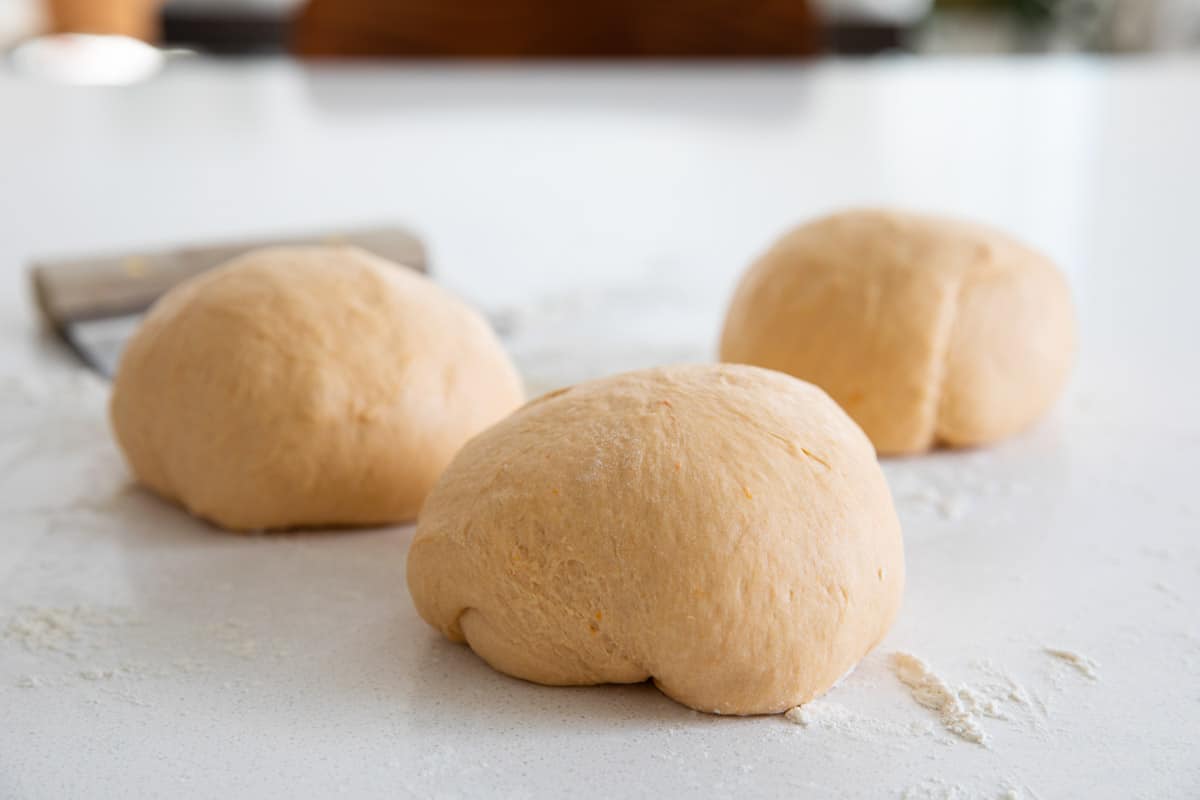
x: 725, y: 530
x: 306, y: 386
x: 927, y: 331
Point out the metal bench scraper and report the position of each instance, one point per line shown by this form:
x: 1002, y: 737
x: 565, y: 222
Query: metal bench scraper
x: 94, y: 303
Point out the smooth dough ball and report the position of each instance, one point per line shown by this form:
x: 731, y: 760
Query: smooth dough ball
x: 929, y: 332
x: 306, y: 386
x: 724, y: 530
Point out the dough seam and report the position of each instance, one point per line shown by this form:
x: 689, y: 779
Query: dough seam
x: 941, y: 363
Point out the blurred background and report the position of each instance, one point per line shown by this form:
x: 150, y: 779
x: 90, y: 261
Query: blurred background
x: 596, y: 175
x: 551, y: 29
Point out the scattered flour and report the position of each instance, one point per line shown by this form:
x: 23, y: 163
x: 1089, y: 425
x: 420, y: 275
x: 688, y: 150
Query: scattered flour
x: 806, y: 716
x: 948, y: 488
x: 1003, y: 697
x: 930, y: 690
x: 1086, y: 666
x: 951, y: 505
x: 938, y: 789
x: 979, y: 703
x: 70, y: 631
x: 935, y: 789
x: 960, y: 710
x: 56, y: 454
x: 233, y: 636
x: 824, y: 715
x: 85, y: 637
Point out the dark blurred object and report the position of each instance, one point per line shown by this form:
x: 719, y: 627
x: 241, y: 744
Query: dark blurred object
x: 555, y: 29
x: 228, y: 27
x: 864, y: 38
x: 866, y: 27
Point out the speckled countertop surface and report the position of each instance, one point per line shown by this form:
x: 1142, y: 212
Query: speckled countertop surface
x: 601, y: 215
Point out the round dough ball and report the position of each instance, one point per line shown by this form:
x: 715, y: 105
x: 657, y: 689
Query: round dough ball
x: 306, y: 386
x: 724, y: 530
x: 927, y: 331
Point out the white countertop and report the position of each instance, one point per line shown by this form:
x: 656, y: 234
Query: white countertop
x: 604, y: 214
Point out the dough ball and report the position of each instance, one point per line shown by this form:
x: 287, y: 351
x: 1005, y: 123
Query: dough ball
x: 306, y: 386
x: 724, y: 530
x: 926, y: 331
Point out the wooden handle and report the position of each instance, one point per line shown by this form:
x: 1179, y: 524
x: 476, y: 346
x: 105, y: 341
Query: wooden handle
x: 552, y: 28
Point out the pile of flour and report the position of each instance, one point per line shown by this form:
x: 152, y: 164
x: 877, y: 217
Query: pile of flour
x: 961, y: 711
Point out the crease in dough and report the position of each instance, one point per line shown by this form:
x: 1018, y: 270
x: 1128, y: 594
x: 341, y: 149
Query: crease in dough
x: 927, y: 331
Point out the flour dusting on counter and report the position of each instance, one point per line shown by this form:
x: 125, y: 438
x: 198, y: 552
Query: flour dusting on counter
x: 960, y: 709
x: 935, y: 789
x: 56, y: 454
x: 1083, y: 664
x: 69, y: 631
x: 978, y: 703
x: 939, y: 789
x: 931, y: 691
x: 824, y: 715
x: 1002, y: 689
